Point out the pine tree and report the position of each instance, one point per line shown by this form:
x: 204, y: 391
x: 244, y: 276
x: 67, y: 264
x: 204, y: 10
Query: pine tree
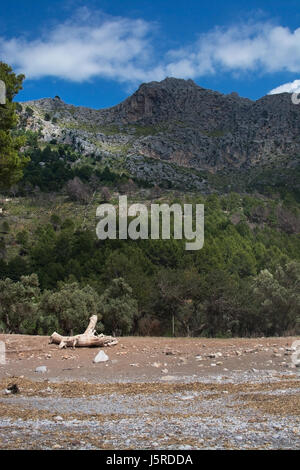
x: 11, y: 161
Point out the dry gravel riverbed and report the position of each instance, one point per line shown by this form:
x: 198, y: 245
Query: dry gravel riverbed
x: 153, y: 393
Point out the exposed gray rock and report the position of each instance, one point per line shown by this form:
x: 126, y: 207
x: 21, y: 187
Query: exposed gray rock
x: 177, y: 121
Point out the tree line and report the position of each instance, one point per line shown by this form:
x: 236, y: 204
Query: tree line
x: 243, y: 282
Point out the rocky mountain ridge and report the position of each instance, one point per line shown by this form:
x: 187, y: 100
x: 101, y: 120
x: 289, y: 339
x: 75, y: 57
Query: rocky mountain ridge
x: 176, y: 121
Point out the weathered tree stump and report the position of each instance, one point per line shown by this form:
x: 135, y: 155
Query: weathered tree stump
x: 87, y: 339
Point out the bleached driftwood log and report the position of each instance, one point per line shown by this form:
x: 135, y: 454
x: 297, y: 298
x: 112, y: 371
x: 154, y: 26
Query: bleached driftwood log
x: 87, y: 339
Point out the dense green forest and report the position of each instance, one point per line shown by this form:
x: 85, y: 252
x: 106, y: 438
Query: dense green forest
x: 245, y: 280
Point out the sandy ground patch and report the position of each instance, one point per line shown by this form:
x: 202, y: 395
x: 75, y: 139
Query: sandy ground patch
x: 152, y: 393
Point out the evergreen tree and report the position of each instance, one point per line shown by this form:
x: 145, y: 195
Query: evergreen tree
x: 119, y: 307
x: 11, y: 161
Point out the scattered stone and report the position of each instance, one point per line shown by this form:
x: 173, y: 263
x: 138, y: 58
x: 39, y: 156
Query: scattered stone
x: 183, y: 360
x: 13, y: 388
x: 41, y: 369
x: 59, y: 418
x: 101, y: 357
x: 156, y: 364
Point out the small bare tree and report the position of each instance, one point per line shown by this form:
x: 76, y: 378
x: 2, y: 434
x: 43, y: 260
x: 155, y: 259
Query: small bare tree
x: 78, y: 191
x: 13, y: 190
x: 105, y: 194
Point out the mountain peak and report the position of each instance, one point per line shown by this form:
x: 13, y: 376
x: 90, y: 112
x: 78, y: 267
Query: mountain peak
x: 171, y: 82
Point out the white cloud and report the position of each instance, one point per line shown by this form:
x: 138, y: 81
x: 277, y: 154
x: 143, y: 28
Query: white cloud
x: 115, y: 48
x: 92, y: 45
x: 263, y: 48
x: 290, y: 87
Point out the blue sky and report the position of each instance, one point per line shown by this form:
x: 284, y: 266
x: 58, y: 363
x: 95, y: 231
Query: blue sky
x: 95, y: 53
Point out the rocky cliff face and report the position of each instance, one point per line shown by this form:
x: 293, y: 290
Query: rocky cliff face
x: 178, y: 121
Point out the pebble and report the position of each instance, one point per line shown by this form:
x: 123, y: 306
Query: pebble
x: 41, y: 369
x: 58, y: 418
x: 156, y: 364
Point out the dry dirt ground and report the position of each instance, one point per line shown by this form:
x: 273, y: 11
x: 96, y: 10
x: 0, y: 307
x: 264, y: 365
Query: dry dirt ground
x: 152, y: 393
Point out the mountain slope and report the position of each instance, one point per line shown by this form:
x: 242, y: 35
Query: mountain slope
x: 177, y: 121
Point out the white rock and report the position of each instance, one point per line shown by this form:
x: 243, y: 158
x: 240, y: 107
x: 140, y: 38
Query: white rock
x: 156, y: 364
x: 58, y: 418
x: 101, y: 357
x: 41, y: 369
